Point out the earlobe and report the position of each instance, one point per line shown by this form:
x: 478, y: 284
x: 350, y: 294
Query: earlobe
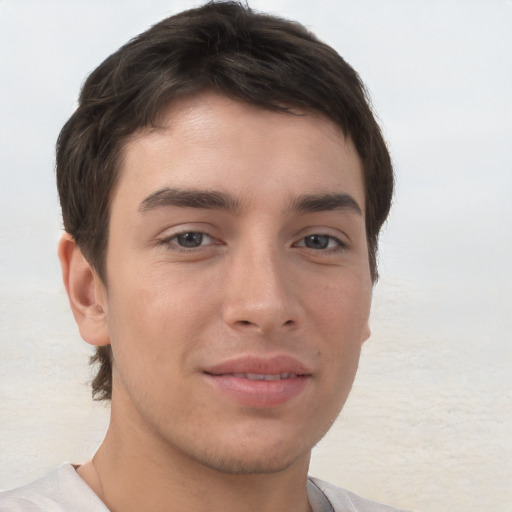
x: 366, y: 333
x: 86, y: 293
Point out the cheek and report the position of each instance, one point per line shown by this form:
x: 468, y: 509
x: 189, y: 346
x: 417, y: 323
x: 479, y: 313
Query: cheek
x: 147, y: 347
x: 342, y: 309
x: 342, y: 321
x: 155, y: 318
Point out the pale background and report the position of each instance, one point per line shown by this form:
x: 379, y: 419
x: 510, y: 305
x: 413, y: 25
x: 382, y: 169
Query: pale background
x: 429, y: 423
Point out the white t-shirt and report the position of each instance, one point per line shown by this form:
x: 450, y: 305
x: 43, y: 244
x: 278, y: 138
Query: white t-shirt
x: 62, y: 490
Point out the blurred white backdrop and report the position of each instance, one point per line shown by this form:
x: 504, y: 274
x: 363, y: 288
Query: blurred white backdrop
x: 429, y: 423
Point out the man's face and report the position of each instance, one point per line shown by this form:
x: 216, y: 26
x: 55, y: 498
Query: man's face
x: 238, y: 284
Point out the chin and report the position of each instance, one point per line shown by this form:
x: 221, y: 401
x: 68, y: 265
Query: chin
x: 253, y: 464
x: 263, y: 452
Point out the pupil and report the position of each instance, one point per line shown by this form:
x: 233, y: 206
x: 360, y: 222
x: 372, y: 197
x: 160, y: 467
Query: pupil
x: 190, y: 239
x: 317, y: 241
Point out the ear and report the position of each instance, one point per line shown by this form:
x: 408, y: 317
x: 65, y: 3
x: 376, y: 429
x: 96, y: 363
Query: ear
x: 366, y: 333
x: 86, y: 292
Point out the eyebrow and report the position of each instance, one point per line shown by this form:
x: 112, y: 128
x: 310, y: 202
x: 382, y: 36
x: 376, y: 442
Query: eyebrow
x: 215, y: 200
x: 311, y: 203
x: 210, y: 200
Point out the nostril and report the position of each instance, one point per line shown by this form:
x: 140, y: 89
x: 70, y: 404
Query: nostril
x: 248, y: 323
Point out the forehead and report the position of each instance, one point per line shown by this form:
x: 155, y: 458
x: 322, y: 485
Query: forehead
x: 211, y: 142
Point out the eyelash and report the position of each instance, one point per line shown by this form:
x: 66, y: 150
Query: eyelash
x: 171, y: 242
x: 339, y: 245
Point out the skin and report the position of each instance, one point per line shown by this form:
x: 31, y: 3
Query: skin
x: 258, y: 284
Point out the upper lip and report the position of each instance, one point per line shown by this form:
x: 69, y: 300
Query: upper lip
x: 259, y: 365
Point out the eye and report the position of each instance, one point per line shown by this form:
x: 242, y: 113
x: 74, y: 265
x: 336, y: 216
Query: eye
x: 320, y: 242
x: 189, y: 240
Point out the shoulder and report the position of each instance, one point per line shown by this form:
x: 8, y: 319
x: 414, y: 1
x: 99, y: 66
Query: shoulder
x: 61, y: 490
x: 346, y: 501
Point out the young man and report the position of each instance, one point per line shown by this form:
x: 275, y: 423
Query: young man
x: 223, y: 183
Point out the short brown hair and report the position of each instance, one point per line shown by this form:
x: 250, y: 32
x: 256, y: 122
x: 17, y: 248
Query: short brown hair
x: 222, y: 46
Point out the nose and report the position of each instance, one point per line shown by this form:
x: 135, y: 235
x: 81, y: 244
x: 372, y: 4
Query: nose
x: 259, y: 292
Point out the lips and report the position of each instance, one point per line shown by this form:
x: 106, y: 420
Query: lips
x: 256, y: 365
x: 264, y: 376
x: 259, y: 382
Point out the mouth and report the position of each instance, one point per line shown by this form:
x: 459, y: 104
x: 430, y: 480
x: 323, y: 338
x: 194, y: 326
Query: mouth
x: 259, y: 382
x: 264, y: 376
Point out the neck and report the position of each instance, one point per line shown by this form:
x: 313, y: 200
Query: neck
x: 130, y: 475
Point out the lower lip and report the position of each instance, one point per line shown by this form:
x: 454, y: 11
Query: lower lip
x: 259, y: 393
